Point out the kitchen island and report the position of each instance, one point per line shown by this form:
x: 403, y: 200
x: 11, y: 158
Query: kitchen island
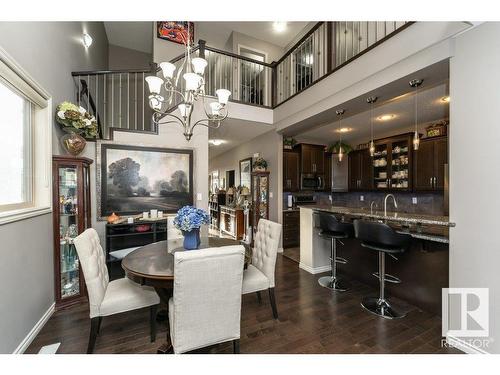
x: 423, y: 269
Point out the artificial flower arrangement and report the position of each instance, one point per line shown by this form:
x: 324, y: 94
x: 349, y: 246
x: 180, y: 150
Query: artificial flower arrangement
x: 259, y: 164
x: 75, y: 119
x: 189, y: 219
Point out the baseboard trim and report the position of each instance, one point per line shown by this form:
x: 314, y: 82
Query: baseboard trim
x: 280, y: 250
x: 464, y: 346
x: 314, y: 270
x: 35, y: 330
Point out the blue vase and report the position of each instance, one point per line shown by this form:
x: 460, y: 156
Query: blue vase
x: 192, y: 239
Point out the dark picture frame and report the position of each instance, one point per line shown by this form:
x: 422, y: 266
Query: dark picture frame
x: 130, y: 192
x: 246, y: 172
x: 175, y: 31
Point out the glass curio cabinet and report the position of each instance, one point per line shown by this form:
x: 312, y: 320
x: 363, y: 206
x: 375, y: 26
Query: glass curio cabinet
x: 260, y: 197
x: 71, y: 210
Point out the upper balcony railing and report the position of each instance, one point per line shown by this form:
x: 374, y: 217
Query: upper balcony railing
x: 119, y: 99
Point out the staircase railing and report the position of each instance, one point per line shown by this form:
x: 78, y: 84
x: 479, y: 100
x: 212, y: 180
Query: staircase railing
x: 119, y: 98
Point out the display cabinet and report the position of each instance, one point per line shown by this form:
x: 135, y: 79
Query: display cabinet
x: 260, y: 197
x: 71, y: 216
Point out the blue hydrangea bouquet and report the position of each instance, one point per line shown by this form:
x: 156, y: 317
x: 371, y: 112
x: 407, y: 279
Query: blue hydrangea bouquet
x: 189, y: 219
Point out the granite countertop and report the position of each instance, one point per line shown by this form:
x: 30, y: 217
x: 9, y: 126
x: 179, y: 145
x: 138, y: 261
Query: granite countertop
x: 425, y: 227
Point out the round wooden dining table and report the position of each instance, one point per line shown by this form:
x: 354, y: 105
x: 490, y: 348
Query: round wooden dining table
x: 153, y: 265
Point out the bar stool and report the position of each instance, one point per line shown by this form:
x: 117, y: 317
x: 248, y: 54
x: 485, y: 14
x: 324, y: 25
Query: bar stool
x: 334, y: 230
x: 382, y: 238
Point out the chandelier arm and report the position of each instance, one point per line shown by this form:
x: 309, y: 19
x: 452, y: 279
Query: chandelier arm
x: 157, y: 122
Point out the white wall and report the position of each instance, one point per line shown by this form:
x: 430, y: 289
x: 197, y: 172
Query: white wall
x: 26, y: 266
x: 474, y: 177
x: 273, y: 52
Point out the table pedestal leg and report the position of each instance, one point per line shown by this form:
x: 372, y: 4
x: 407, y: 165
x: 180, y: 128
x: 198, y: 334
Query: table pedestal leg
x: 165, y: 294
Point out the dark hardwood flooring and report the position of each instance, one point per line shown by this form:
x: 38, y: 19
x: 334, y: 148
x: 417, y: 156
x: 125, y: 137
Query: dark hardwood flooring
x: 292, y: 253
x: 311, y: 320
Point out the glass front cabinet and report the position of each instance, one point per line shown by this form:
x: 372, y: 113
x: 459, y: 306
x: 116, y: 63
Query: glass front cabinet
x: 260, y: 197
x: 71, y: 210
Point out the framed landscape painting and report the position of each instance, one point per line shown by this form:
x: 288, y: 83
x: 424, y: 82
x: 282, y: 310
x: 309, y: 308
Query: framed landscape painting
x: 175, y: 31
x: 134, y: 179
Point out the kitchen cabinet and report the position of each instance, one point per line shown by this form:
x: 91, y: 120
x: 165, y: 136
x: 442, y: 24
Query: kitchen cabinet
x: 291, y: 228
x: 360, y: 170
x: 429, y: 164
x: 291, y: 171
x: 312, y: 159
x: 328, y: 171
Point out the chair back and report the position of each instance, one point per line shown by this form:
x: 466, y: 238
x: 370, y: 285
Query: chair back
x: 207, y: 297
x: 93, y: 263
x: 329, y: 223
x: 380, y: 233
x: 265, y: 249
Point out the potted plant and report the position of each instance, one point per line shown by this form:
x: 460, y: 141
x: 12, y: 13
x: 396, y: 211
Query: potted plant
x: 288, y: 143
x: 189, y: 219
x: 78, y: 124
x: 259, y: 165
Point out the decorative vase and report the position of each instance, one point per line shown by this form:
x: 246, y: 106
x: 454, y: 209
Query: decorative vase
x: 192, y: 239
x: 73, y: 143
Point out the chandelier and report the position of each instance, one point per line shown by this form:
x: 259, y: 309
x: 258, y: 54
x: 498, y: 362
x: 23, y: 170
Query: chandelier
x: 164, y: 104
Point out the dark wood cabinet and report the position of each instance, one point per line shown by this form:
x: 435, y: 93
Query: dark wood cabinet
x: 291, y: 171
x: 328, y: 171
x: 429, y: 164
x: 232, y: 222
x: 71, y: 216
x: 360, y: 170
x: 260, y: 197
x: 291, y: 232
x: 312, y: 159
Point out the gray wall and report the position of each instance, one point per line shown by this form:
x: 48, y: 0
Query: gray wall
x: 49, y: 55
x: 125, y: 58
x: 269, y: 147
x: 474, y: 177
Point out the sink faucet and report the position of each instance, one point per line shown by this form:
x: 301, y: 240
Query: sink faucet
x: 371, y: 207
x: 385, y: 203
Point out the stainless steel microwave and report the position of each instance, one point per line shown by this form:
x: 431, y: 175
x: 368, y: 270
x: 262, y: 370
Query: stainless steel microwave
x: 312, y: 182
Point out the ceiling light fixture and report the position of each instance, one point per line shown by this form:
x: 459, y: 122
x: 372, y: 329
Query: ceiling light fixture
x: 445, y: 99
x: 386, y: 117
x: 87, y: 40
x: 343, y: 130
x: 279, y: 27
x: 416, y: 139
x: 192, y: 71
x: 339, y: 113
x: 371, y: 100
x: 216, y: 142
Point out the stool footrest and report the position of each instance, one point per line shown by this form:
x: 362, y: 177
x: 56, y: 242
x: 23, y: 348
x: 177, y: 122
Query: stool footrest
x: 389, y: 278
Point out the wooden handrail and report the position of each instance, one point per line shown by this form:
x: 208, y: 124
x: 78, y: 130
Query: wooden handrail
x: 239, y: 57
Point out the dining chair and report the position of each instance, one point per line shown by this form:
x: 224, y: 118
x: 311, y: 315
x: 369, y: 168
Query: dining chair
x: 260, y: 273
x: 206, y: 305
x: 109, y: 297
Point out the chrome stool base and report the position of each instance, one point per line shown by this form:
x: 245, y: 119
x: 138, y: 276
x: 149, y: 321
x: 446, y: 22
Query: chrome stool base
x: 381, y: 307
x: 332, y: 283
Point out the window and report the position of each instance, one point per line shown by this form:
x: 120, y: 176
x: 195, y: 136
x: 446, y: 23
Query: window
x: 25, y: 144
x: 15, y: 149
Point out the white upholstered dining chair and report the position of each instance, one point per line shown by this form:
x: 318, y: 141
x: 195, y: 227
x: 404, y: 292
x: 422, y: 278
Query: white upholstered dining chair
x: 109, y: 297
x: 206, y: 305
x: 260, y: 274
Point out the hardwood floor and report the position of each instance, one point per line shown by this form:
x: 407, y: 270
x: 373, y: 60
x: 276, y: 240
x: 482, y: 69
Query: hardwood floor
x: 311, y: 320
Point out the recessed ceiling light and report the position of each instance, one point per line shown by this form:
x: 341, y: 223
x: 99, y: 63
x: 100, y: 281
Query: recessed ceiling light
x: 279, y: 27
x: 445, y: 99
x: 216, y: 142
x: 343, y: 130
x: 87, y: 40
x: 386, y: 117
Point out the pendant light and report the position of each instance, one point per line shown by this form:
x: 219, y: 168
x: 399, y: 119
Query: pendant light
x: 416, y: 140
x: 340, y: 112
x: 371, y: 100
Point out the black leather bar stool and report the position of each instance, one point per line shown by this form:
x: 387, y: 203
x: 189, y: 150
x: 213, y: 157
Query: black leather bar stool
x: 382, y: 238
x: 334, y: 230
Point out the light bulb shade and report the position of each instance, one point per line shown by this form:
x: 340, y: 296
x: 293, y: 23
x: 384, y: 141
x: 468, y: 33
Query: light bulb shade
x: 192, y: 81
x: 372, y: 148
x: 154, y: 84
x: 87, y: 40
x: 341, y: 154
x: 223, y: 96
x: 215, y: 107
x: 155, y: 101
x: 184, y: 109
x: 199, y: 65
x: 416, y: 141
x: 168, y: 69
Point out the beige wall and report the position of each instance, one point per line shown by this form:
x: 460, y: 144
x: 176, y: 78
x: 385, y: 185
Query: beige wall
x: 49, y: 55
x: 268, y: 145
x: 120, y: 58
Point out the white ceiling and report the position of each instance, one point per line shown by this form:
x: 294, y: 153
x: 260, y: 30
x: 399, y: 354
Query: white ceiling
x: 133, y: 35
x: 235, y: 132
x: 139, y: 35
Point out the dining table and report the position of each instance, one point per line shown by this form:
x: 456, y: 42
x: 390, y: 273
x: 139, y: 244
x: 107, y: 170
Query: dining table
x: 153, y: 265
